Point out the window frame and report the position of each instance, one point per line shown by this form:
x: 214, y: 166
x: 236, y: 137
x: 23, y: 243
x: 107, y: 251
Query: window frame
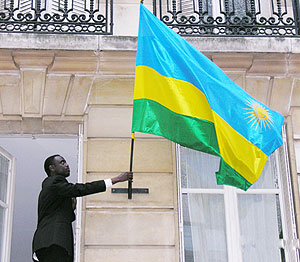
x: 8, y: 216
x: 78, y: 227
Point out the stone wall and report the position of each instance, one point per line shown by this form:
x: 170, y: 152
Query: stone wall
x: 51, y: 91
x: 144, y: 228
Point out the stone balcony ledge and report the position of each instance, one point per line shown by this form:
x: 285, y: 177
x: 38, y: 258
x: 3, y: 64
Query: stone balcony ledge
x: 129, y: 43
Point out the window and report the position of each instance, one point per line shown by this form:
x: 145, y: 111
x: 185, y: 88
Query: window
x: 6, y: 202
x: 29, y: 175
x: 225, y: 224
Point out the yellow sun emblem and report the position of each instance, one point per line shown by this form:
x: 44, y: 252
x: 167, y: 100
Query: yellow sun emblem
x: 258, y: 114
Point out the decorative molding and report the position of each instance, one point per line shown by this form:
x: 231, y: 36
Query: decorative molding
x: 33, y: 87
x: 33, y: 59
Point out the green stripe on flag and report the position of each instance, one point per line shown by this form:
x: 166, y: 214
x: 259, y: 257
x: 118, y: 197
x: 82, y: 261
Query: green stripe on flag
x: 228, y: 176
x: 153, y: 118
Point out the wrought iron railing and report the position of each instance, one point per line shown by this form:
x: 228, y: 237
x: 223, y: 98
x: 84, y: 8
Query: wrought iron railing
x: 186, y: 17
x: 56, y: 16
x: 230, y: 17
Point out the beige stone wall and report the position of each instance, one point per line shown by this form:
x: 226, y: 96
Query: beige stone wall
x: 144, y: 228
x: 295, y: 105
x: 52, y: 91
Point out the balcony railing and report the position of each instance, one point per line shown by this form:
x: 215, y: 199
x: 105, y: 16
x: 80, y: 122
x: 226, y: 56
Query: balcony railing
x: 186, y: 17
x: 230, y: 17
x: 56, y: 16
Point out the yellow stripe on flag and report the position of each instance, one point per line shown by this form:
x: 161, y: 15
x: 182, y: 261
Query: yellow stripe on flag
x: 179, y: 96
x: 238, y: 152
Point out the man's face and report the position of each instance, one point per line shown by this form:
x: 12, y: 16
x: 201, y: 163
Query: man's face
x: 61, y: 167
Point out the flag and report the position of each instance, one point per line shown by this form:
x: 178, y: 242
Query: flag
x: 183, y: 96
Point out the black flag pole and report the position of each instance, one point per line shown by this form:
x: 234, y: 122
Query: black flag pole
x: 130, y: 168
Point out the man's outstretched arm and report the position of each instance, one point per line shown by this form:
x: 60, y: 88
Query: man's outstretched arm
x: 65, y: 189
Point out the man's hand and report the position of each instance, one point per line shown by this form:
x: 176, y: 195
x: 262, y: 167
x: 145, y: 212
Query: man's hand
x: 122, y: 177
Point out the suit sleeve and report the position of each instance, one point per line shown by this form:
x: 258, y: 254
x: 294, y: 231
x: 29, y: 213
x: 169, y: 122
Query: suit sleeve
x: 65, y: 189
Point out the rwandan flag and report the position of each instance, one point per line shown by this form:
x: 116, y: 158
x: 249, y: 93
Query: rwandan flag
x: 183, y: 96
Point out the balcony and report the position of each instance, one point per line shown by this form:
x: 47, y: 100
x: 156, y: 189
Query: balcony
x: 186, y: 17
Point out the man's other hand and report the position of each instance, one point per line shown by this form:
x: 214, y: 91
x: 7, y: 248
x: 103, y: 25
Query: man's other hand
x: 122, y: 177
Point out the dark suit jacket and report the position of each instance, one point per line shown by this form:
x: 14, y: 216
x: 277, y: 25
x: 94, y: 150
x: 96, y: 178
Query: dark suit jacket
x: 55, y: 212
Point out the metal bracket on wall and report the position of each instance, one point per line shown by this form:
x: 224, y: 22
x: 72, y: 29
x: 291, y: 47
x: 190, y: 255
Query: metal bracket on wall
x: 134, y: 190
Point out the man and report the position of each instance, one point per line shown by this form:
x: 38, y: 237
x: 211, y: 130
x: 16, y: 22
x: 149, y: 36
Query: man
x: 53, y: 238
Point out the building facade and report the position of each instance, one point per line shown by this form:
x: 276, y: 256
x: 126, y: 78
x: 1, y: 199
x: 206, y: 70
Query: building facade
x: 82, y: 84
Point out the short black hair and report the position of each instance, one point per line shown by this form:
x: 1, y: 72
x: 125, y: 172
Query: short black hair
x: 48, y: 162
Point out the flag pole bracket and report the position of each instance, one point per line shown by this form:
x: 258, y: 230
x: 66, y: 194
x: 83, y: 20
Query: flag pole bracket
x: 134, y: 190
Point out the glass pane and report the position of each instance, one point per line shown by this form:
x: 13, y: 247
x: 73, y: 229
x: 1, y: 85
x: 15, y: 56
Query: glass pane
x: 2, y: 214
x: 260, y: 226
x: 268, y: 178
x: 198, y: 169
x: 4, y: 164
x: 204, y: 228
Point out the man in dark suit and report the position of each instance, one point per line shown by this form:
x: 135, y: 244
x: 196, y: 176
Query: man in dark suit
x: 53, y: 238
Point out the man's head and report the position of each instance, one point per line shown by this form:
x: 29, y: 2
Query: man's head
x: 56, y: 165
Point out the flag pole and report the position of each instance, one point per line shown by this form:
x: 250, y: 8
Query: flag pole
x: 130, y: 168
x: 131, y: 154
